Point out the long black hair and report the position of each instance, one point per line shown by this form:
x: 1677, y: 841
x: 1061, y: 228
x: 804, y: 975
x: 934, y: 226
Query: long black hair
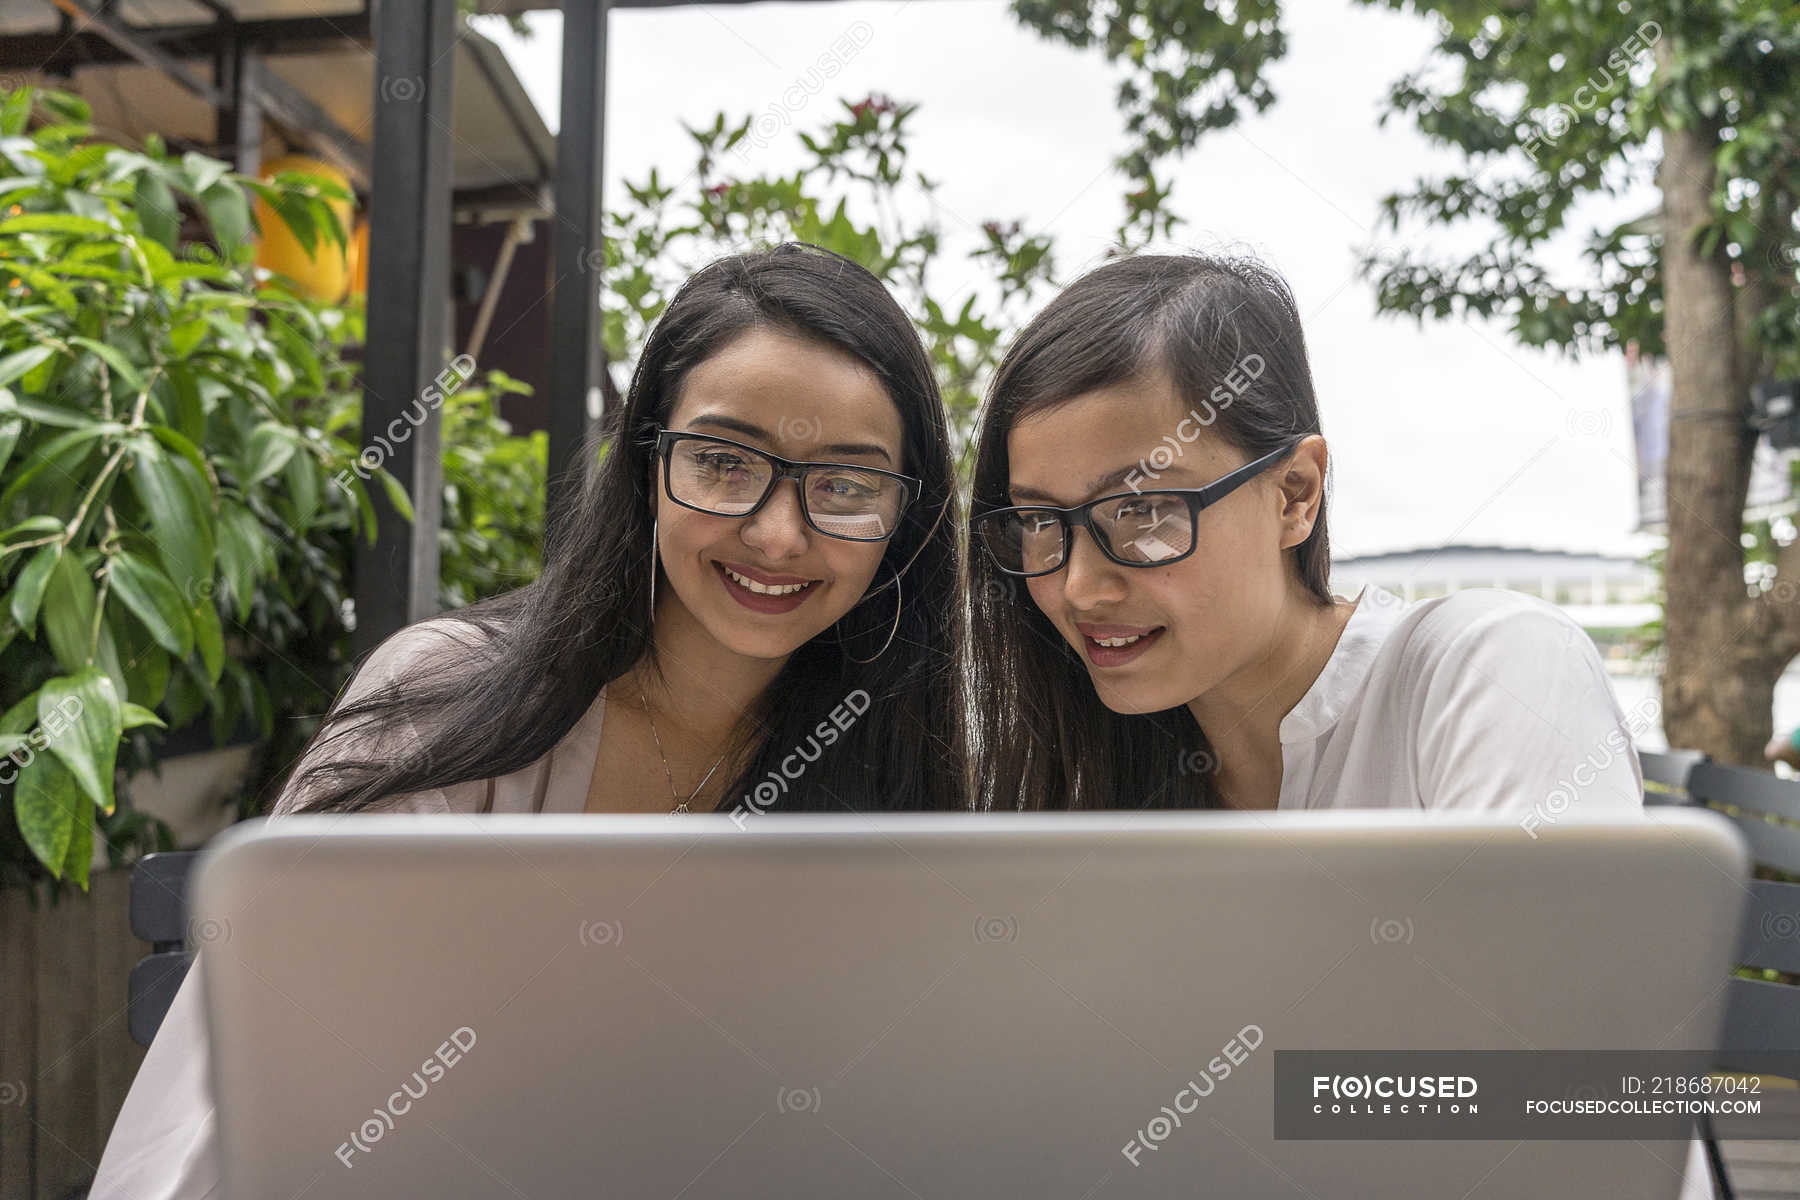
x: 1043, y: 736
x: 533, y: 660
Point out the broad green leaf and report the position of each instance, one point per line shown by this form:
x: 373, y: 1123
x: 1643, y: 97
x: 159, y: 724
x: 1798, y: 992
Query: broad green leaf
x: 181, y: 521
x: 302, y: 477
x: 159, y: 259
x: 299, y: 353
x: 203, y: 172
x: 175, y: 272
x: 48, y: 805
x: 83, y: 270
x: 92, y: 251
x: 117, y: 361
x: 66, y: 105
x: 396, y: 494
x: 55, y: 453
x: 136, y: 715
x: 61, y: 132
x: 15, y: 112
x: 241, y: 554
x: 229, y: 213
x: 76, y: 168
x: 144, y: 664
x: 20, y: 717
x: 209, y: 638
x: 80, y: 717
x: 15, y: 365
x: 154, y: 600
x: 157, y: 209
x: 28, y: 589
x: 52, y: 288
x: 179, y: 443
x: 365, y: 508
x: 296, y: 214
x: 188, y: 412
x: 69, y: 612
x: 106, y: 657
x: 57, y: 223
x: 9, y: 437
x: 187, y: 335
x: 79, y: 859
x: 271, y: 445
x: 63, y: 418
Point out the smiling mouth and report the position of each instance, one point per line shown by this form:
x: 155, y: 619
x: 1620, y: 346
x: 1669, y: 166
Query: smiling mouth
x: 1116, y: 650
x: 765, y: 589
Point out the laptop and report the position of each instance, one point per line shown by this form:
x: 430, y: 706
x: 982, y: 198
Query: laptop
x: 926, y: 1005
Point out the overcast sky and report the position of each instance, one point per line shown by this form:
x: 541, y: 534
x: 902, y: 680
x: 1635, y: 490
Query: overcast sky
x: 1447, y: 433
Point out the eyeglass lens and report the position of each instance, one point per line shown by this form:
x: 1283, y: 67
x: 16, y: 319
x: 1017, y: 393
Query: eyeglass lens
x: 841, y: 501
x: 1150, y: 528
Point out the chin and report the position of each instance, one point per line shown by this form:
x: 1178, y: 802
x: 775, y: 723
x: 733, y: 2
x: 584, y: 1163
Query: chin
x: 769, y: 645
x: 1137, y: 699
x: 755, y: 636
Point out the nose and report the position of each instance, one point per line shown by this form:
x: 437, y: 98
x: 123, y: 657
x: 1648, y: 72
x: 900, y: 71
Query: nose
x: 778, y: 529
x: 1090, y: 579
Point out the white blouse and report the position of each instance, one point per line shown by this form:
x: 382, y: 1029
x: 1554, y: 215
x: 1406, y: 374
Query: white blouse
x: 1484, y: 701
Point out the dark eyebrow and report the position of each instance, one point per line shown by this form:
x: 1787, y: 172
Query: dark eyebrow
x: 1099, y: 486
x: 752, y: 429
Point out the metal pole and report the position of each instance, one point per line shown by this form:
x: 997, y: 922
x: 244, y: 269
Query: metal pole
x: 409, y: 281
x: 576, y: 254
x: 238, y: 126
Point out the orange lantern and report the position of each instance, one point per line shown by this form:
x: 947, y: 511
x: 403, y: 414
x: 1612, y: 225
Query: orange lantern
x: 359, y: 259
x: 324, y: 274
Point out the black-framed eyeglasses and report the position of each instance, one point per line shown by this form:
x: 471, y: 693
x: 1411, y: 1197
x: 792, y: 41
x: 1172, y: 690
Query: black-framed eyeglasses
x: 1133, y: 529
x: 724, y: 478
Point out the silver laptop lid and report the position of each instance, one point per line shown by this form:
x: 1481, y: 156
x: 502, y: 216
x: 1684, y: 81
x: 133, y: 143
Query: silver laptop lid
x: 924, y: 1005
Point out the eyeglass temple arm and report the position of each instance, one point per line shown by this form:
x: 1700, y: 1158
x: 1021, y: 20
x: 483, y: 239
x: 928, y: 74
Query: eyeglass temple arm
x: 1218, y: 489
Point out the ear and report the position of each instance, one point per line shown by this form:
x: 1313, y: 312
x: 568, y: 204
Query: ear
x: 1302, y: 487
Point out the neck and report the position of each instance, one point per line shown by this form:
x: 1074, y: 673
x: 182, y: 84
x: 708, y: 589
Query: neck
x: 1242, y: 715
x: 695, y: 686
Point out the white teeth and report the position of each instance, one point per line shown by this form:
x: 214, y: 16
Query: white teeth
x: 765, y: 589
x: 1124, y: 641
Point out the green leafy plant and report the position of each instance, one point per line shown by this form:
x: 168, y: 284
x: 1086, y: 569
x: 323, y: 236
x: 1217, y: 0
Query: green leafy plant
x: 856, y: 195
x: 161, y: 455
x: 492, y: 536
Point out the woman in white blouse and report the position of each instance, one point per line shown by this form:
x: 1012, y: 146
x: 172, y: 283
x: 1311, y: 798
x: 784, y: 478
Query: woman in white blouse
x: 703, y: 636
x: 1154, y: 622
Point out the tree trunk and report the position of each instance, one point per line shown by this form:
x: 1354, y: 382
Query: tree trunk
x: 1725, y: 650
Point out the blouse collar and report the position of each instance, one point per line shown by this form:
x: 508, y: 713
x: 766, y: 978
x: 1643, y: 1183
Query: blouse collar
x: 1347, y: 670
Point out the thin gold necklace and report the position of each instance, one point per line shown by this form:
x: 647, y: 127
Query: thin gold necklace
x: 681, y: 805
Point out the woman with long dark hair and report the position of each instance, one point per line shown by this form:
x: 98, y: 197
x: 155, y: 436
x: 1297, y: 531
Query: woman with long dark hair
x: 754, y: 606
x: 1154, y: 620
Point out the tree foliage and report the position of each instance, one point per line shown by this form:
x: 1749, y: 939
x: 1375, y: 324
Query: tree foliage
x: 159, y: 451
x: 1550, y: 103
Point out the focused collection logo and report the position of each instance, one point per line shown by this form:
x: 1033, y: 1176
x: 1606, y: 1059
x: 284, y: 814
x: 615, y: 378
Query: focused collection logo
x: 1394, y: 1095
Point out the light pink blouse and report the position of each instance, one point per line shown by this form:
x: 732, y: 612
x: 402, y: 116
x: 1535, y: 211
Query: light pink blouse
x: 163, y: 1146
